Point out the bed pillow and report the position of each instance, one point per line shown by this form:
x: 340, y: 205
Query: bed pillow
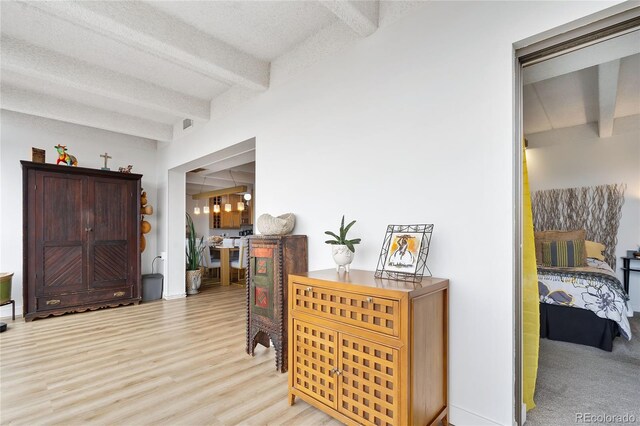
x: 594, y: 250
x: 544, y: 236
x: 564, y: 254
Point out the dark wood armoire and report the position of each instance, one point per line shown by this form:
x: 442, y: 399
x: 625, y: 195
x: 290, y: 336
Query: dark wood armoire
x: 81, y: 239
x: 271, y: 260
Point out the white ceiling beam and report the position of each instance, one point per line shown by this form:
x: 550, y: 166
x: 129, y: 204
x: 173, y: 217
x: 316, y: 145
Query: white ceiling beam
x: 28, y: 102
x: 32, y: 61
x: 146, y: 28
x: 608, y: 76
x: 237, y: 176
x: 230, y: 162
x: 360, y: 16
x: 193, y: 188
x: 194, y: 179
x: 247, y: 168
x: 606, y: 51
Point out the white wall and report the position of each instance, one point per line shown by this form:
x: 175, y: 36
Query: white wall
x: 410, y: 125
x: 576, y: 156
x: 20, y: 132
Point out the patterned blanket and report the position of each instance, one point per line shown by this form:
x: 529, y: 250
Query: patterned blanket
x: 595, y: 288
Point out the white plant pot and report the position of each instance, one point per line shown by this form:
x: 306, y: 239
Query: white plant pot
x: 342, y: 256
x: 194, y: 280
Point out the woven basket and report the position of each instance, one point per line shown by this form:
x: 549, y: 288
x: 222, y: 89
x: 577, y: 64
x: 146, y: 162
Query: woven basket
x: 281, y: 225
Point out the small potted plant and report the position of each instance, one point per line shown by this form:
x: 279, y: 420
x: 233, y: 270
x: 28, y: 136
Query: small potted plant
x: 342, y: 249
x: 194, y: 250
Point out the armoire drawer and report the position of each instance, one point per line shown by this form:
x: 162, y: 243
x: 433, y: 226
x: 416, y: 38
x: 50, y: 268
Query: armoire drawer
x: 67, y: 300
x: 359, y: 309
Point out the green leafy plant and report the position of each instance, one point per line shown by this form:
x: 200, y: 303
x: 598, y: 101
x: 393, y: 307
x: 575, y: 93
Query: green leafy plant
x: 194, y: 248
x: 342, y: 237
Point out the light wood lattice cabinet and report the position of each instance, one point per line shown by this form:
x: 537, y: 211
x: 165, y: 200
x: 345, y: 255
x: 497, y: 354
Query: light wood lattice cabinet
x: 369, y: 351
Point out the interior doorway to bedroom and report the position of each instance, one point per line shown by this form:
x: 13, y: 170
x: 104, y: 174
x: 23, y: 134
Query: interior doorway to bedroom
x: 580, y: 175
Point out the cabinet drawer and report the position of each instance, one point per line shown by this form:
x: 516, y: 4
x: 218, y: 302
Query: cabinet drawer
x: 358, y: 309
x: 78, y: 299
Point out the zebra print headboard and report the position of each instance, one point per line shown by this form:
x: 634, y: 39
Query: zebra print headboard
x: 597, y: 209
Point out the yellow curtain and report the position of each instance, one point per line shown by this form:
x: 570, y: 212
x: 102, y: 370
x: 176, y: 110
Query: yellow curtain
x: 530, y: 298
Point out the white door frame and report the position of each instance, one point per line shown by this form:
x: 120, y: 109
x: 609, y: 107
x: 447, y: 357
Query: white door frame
x: 604, y: 25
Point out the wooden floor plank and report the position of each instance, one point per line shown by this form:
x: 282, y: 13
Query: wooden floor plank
x: 166, y: 362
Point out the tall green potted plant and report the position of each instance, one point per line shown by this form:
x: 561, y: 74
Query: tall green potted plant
x: 194, y: 250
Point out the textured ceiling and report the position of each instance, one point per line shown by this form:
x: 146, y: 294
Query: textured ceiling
x: 141, y: 67
x: 253, y: 27
x: 574, y: 98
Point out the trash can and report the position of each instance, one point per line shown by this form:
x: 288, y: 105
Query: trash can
x: 152, y: 287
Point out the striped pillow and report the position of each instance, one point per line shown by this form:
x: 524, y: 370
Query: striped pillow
x: 563, y: 253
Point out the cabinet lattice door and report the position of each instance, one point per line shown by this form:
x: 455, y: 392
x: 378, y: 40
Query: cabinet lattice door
x: 369, y: 390
x: 314, y: 350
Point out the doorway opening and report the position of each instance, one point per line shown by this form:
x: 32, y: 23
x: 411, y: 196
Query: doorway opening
x: 221, y: 179
x: 574, y: 92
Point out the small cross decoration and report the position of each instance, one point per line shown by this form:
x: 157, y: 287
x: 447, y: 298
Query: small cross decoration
x: 106, y: 157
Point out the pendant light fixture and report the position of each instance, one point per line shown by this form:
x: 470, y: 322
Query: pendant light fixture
x: 227, y: 207
x: 240, y: 206
x: 216, y: 208
x: 196, y: 209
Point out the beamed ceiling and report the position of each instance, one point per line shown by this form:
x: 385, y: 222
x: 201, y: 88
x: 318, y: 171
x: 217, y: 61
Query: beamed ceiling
x: 142, y: 67
x: 597, y: 84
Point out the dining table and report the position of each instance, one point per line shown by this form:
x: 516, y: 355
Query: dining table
x: 225, y: 259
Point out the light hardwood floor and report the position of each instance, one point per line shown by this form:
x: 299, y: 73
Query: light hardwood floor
x: 177, y: 362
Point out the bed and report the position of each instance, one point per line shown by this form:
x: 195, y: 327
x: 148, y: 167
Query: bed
x: 582, y: 302
x: 585, y: 305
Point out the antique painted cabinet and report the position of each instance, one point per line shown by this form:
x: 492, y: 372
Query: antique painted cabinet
x: 369, y: 351
x: 271, y: 260
x: 81, y: 239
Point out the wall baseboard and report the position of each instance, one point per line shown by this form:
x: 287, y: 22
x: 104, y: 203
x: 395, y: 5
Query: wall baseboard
x: 175, y: 296
x: 461, y: 417
x: 5, y: 312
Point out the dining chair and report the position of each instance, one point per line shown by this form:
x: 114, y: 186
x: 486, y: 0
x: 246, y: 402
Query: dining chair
x: 241, y: 263
x: 210, y: 261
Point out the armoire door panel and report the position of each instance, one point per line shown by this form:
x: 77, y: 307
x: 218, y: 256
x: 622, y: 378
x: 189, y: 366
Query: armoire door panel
x: 111, y: 203
x: 60, y: 233
x: 110, y: 264
x: 61, y: 208
x: 111, y: 210
x: 63, y: 269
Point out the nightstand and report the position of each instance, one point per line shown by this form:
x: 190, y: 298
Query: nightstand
x: 626, y: 268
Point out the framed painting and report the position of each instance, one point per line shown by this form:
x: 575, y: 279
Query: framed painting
x: 404, y: 252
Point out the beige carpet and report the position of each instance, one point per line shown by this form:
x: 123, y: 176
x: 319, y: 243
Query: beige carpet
x: 575, y: 379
